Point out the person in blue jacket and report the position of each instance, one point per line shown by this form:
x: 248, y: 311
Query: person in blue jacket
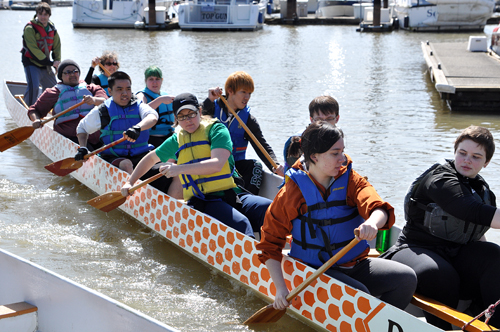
x: 239, y: 88
x: 109, y: 59
x: 324, y: 108
x: 122, y: 115
x: 161, y: 102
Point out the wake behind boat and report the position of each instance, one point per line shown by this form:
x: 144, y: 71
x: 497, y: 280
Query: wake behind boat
x: 33, y: 298
x: 326, y: 305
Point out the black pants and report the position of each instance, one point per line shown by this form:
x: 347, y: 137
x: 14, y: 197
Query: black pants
x: 472, y: 273
x: 251, y: 172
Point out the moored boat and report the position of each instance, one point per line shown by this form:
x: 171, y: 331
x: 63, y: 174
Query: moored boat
x: 115, y: 14
x: 327, y: 305
x: 337, y: 8
x: 33, y: 298
x: 443, y: 15
x: 233, y: 15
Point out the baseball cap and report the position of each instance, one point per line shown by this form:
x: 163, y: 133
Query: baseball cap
x: 183, y: 101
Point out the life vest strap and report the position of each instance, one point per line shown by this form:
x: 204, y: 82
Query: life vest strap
x: 325, y: 205
x: 190, y: 145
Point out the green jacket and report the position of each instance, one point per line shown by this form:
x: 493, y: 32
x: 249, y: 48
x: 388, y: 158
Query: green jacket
x: 30, y: 36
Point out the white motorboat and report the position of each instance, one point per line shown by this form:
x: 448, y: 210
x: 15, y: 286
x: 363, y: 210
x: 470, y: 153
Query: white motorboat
x: 440, y: 15
x: 33, y: 298
x: 338, y: 8
x: 115, y: 13
x: 234, y: 15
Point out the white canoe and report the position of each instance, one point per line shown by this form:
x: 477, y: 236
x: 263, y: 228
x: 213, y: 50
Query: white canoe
x: 326, y: 305
x: 61, y: 304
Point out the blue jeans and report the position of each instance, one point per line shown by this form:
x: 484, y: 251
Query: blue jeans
x: 247, y: 218
x: 34, y: 77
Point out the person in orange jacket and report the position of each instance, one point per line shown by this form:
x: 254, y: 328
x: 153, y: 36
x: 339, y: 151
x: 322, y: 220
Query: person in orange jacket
x: 320, y: 205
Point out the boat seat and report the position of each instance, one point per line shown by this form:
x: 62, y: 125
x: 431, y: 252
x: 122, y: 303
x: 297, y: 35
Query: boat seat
x: 449, y: 314
x: 16, y: 309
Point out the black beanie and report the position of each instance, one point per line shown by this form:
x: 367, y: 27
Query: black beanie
x: 63, y: 65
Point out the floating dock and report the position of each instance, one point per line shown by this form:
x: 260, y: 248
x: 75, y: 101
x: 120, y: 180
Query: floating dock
x: 468, y: 81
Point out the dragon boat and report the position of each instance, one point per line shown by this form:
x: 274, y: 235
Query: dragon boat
x: 326, y: 305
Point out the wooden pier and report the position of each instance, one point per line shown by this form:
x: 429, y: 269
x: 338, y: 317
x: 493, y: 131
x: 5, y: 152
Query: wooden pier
x: 468, y: 81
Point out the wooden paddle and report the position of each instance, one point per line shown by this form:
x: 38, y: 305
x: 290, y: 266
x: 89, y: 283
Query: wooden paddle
x: 268, y: 157
x: 68, y: 165
x: 104, y: 68
x: 270, y: 315
x: 110, y: 201
x: 21, y: 99
x: 18, y: 135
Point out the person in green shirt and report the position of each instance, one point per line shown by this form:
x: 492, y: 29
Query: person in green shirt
x: 40, y: 39
x: 200, y: 155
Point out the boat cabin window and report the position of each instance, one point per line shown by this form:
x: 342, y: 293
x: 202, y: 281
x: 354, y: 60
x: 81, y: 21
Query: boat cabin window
x: 107, y: 4
x: 413, y: 3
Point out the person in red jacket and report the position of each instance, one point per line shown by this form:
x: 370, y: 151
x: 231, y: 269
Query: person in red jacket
x: 40, y: 39
x: 68, y: 92
x: 320, y: 205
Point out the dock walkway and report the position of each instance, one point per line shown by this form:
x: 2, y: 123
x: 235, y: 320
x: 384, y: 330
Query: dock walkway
x: 466, y: 80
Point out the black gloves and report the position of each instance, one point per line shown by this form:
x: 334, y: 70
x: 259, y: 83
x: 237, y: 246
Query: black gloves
x: 133, y: 132
x: 81, y: 153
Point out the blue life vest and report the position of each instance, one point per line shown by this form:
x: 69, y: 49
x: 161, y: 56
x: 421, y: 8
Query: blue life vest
x: 70, y: 96
x: 237, y: 132
x: 326, y: 227
x: 285, y: 150
x: 104, y: 83
x: 121, y: 119
x: 166, y: 115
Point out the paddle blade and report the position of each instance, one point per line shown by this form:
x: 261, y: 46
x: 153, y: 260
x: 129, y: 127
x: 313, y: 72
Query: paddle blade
x: 14, y: 137
x: 108, y: 202
x: 265, y: 315
x: 65, y: 166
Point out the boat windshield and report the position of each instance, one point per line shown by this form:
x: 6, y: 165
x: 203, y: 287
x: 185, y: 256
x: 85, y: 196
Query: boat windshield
x: 413, y: 3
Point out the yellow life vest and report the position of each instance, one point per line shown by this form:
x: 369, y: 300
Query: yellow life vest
x: 194, y: 148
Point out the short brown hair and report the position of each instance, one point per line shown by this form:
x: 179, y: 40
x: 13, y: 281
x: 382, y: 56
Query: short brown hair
x: 481, y: 136
x: 239, y: 80
x: 43, y: 7
x: 324, y: 104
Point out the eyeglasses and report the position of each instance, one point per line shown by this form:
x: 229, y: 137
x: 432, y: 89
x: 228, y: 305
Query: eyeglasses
x: 69, y: 72
x: 328, y: 119
x: 111, y: 63
x: 185, y: 117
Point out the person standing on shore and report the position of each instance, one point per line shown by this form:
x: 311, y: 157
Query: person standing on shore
x: 40, y: 39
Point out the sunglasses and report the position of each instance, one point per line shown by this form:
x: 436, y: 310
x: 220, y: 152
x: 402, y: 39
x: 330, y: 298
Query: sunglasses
x: 111, y: 63
x: 69, y: 72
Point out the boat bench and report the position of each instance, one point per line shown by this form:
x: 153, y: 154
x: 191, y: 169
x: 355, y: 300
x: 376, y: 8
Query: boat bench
x: 19, y: 317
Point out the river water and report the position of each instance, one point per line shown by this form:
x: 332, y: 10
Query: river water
x: 396, y: 126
